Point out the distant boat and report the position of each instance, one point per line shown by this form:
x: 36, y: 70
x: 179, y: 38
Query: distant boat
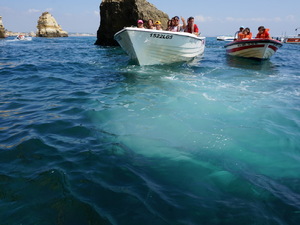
x: 23, y: 38
x: 225, y: 38
x: 150, y: 47
x: 293, y: 40
x: 253, y: 48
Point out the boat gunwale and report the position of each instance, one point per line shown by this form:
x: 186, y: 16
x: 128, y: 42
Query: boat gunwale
x: 254, y: 40
x: 184, y: 34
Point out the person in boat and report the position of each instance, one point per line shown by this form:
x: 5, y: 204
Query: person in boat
x: 158, y: 25
x: 191, y: 26
x: 140, y: 24
x: 245, y: 34
x: 236, y: 35
x: 151, y: 25
x: 263, y: 33
x: 169, y: 25
x: 20, y: 37
x: 176, y: 27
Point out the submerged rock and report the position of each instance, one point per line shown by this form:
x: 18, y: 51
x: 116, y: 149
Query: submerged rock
x: 117, y: 14
x: 48, y: 27
x: 2, y: 30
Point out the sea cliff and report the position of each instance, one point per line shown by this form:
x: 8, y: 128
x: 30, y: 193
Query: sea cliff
x: 2, y: 29
x: 48, y: 27
x: 117, y: 14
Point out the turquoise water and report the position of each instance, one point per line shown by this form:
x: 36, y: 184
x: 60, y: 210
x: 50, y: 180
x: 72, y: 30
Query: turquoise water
x: 86, y: 137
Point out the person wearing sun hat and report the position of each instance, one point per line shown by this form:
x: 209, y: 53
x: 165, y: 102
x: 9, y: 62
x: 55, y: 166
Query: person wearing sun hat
x: 158, y: 25
x: 140, y: 24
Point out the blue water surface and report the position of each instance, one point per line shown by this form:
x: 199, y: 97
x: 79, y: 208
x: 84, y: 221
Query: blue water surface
x: 87, y: 137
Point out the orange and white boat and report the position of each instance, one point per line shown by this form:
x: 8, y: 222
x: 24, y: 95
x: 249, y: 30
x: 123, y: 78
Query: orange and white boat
x: 253, y: 48
x: 293, y: 40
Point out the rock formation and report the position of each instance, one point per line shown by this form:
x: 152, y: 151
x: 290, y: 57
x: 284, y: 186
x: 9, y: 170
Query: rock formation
x: 2, y: 30
x: 48, y: 27
x: 117, y: 14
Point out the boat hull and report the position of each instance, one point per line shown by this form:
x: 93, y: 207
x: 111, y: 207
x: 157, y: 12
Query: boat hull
x: 225, y: 38
x: 292, y: 40
x: 150, y: 47
x: 253, y: 48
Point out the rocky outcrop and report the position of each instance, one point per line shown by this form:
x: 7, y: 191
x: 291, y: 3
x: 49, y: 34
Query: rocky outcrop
x: 48, y: 27
x: 117, y: 14
x: 2, y: 30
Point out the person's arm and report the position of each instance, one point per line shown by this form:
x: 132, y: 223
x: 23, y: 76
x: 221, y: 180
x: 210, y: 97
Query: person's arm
x: 196, y: 30
x: 236, y: 35
x: 184, y: 23
x: 240, y: 36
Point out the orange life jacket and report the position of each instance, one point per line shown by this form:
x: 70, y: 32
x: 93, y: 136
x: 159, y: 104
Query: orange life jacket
x: 242, y: 36
x: 265, y: 34
x: 249, y: 36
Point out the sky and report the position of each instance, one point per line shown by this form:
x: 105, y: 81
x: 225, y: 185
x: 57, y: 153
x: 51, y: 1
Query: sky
x: 212, y: 17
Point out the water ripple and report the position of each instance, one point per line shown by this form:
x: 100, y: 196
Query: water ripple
x: 86, y: 137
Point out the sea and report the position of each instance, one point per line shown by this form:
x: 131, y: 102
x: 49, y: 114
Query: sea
x: 87, y: 137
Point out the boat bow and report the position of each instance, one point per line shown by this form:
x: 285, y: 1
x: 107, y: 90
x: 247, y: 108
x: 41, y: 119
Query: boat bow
x: 253, y: 48
x: 149, y: 47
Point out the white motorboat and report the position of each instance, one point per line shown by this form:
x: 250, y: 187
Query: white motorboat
x: 23, y: 38
x: 253, y: 48
x: 150, y: 47
x: 225, y: 38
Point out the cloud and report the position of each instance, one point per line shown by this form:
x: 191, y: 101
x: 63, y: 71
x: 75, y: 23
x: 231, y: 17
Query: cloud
x: 277, y: 19
x: 290, y: 18
x: 202, y: 19
x: 33, y: 10
x: 259, y: 19
x: 5, y: 9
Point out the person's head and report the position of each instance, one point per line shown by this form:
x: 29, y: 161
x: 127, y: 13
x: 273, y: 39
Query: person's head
x: 261, y: 29
x: 157, y: 25
x: 150, y: 22
x: 247, y: 30
x: 173, y: 21
x: 140, y: 23
x: 191, y: 20
x: 242, y: 28
x: 176, y: 20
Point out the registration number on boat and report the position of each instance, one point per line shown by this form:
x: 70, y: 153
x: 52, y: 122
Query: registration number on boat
x: 246, y: 44
x: 162, y: 36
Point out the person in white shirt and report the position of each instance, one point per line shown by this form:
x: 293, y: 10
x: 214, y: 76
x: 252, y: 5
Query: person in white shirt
x: 175, y: 26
